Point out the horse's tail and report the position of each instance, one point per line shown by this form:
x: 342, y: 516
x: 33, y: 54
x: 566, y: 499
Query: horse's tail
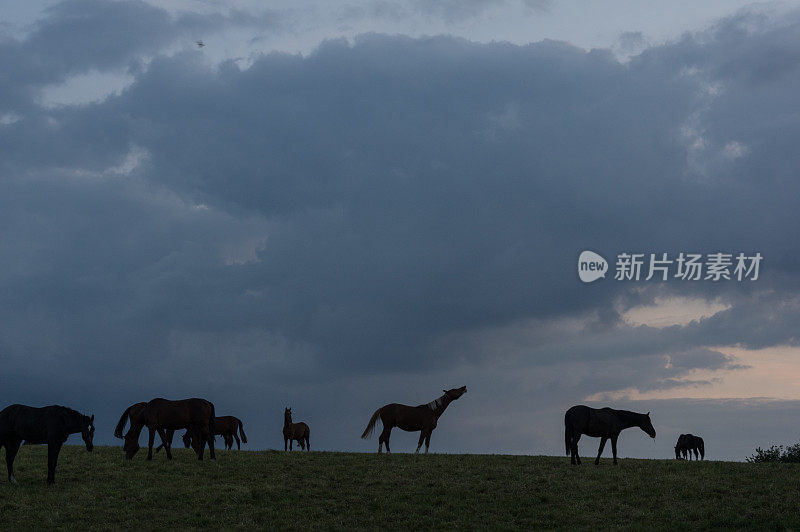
x: 121, y: 423
x: 567, y: 434
x: 371, y: 424
x: 241, y: 431
x: 702, y: 449
x: 567, y: 437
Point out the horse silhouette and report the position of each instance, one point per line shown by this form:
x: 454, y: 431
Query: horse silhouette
x: 295, y: 432
x: 51, y: 425
x: 224, y: 426
x: 132, y: 412
x: 688, y: 443
x: 604, y: 423
x: 162, y: 415
x: 423, y: 418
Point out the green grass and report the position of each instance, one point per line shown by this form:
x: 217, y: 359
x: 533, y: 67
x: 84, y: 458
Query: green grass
x: 343, y: 490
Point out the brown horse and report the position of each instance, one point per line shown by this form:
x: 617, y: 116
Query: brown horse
x: 423, y: 418
x: 224, y: 426
x: 295, y: 431
x: 688, y: 443
x: 603, y: 423
x: 161, y: 415
x: 132, y: 412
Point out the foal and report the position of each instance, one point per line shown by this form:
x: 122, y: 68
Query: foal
x: 295, y: 431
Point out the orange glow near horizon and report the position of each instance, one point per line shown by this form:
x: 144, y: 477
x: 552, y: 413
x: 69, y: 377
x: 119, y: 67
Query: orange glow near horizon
x: 773, y: 373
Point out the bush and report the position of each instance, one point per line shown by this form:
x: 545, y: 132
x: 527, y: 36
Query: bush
x: 776, y: 453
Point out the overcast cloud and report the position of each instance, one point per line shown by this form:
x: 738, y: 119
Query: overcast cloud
x: 391, y: 215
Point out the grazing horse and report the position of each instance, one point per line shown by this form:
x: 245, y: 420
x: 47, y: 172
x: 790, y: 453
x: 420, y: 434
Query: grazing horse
x: 688, y: 443
x: 295, y: 431
x: 161, y: 415
x: 224, y: 426
x: 51, y: 425
x: 130, y: 413
x: 603, y: 423
x: 421, y: 418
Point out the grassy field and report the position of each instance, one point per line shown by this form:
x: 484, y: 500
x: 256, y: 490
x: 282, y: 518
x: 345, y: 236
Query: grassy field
x: 343, y: 490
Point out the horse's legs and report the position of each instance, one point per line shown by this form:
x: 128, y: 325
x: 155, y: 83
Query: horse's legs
x: 384, y: 438
x: 150, y: 439
x: 291, y: 443
x: 308, y: 443
x: 199, y: 441
x: 614, y: 446
x: 238, y: 443
x: 12, y: 446
x: 421, y: 439
x: 165, y: 441
x: 576, y: 458
x: 600, y: 450
x: 210, y: 438
x: 53, y: 448
x: 427, y: 441
x: 168, y: 443
x: 285, y: 443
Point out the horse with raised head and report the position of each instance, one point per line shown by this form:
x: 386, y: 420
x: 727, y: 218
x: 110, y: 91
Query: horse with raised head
x: 161, y: 415
x: 298, y: 432
x: 423, y: 418
x: 688, y: 443
x: 51, y: 425
x: 604, y: 423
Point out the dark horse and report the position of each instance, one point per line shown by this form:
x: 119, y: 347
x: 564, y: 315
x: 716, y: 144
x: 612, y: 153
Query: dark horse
x: 224, y: 426
x: 421, y: 418
x: 295, y: 431
x: 688, y: 443
x: 132, y: 412
x: 603, y: 423
x: 161, y: 415
x: 51, y: 425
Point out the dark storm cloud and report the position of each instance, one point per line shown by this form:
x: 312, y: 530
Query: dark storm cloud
x: 393, y: 207
x: 77, y: 36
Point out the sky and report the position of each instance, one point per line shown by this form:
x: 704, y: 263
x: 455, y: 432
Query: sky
x: 338, y: 205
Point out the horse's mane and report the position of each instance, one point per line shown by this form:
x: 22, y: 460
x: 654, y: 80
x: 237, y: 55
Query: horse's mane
x: 436, y: 403
x: 630, y: 417
x: 68, y: 412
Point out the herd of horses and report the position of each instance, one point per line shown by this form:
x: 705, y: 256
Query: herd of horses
x: 52, y: 425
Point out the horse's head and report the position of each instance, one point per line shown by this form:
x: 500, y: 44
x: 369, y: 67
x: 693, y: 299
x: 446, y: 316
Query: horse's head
x: 187, y: 440
x: 131, y: 446
x: 455, y: 393
x: 87, y: 432
x: 647, y: 425
x: 287, y: 415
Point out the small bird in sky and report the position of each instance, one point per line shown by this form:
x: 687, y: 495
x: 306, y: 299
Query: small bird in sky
x: 200, y: 44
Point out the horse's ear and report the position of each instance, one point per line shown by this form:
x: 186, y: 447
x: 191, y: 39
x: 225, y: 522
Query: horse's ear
x: 445, y: 391
x: 648, y: 413
x: 91, y: 419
